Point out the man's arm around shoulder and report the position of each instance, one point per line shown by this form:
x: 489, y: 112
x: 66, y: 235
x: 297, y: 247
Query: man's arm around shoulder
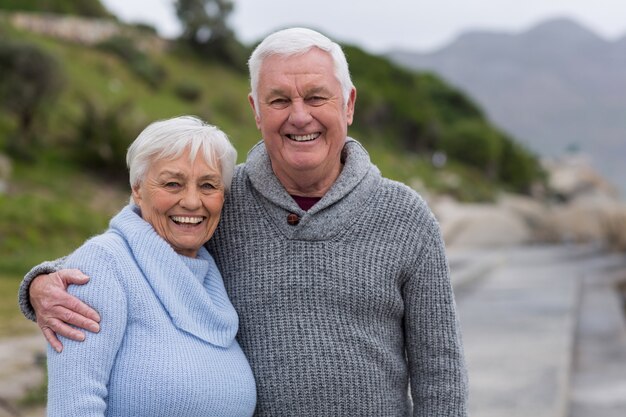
x: 43, y: 298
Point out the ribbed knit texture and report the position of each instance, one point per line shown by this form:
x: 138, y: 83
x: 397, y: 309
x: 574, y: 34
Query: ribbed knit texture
x: 166, y: 347
x: 339, y: 312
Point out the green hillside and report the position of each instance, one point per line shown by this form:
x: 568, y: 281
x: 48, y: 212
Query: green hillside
x: 67, y: 155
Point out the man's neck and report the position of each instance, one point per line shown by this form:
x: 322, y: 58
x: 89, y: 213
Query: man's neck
x: 308, y: 184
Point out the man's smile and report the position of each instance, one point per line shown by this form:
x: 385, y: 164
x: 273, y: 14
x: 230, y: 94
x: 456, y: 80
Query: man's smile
x: 304, y: 138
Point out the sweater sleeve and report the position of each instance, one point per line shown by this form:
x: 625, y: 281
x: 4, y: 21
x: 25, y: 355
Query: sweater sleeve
x: 78, y: 376
x: 434, y: 348
x: 23, y: 297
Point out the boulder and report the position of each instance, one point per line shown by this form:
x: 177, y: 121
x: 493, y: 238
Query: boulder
x: 5, y: 173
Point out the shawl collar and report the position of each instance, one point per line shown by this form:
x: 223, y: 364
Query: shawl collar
x: 354, y: 186
x: 199, y: 308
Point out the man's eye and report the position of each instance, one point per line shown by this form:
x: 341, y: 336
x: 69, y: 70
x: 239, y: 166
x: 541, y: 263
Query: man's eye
x: 316, y: 100
x: 279, y: 103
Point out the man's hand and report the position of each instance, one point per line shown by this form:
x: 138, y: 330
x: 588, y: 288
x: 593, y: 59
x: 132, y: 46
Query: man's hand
x: 56, y: 309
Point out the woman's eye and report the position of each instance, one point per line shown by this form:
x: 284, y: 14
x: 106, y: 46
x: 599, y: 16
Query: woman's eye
x: 172, y: 184
x: 207, y: 186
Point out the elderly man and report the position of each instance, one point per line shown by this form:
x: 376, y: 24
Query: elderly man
x: 339, y: 275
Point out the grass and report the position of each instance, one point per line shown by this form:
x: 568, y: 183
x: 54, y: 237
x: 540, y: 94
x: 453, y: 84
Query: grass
x: 49, y: 210
x: 12, y: 323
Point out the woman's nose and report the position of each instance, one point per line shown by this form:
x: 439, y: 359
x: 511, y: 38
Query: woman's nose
x: 190, y: 198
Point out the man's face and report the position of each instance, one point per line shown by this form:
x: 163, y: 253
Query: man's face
x: 302, y: 115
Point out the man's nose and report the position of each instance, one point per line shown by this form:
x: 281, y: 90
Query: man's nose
x: 300, y: 114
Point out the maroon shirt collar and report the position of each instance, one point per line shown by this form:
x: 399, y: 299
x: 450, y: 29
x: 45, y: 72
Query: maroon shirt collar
x: 305, y: 203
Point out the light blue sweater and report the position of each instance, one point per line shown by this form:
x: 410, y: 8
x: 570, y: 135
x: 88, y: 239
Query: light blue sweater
x: 166, y: 345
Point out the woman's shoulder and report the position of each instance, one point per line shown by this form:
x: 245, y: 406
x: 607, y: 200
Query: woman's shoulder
x: 101, y: 253
x: 102, y: 258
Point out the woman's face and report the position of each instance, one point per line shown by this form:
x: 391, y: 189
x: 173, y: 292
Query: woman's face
x: 182, y: 201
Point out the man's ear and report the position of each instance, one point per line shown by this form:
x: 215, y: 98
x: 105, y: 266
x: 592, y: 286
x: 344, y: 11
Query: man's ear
x: 350, y: 106
x: 257, y: 118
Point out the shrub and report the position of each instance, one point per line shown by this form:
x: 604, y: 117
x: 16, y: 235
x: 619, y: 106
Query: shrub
x: 138, y: 62
x: 29, y: 78
x: 518, y: 167
x: 474, y: 143
x: 103, y: 136
x: 188, y: 91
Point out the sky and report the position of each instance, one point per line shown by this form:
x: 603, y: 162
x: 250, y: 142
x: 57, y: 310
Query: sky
x: 379, y: 26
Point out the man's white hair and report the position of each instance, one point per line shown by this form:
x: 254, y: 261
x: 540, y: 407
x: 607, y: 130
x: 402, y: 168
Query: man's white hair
x: 297, y: 41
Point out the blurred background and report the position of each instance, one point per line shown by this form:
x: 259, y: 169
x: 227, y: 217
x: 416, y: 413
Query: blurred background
x: 508, y: 117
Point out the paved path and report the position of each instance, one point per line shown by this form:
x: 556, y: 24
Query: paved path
x: 599, y: 366
x: 19, y: 372
x: 519, y: 311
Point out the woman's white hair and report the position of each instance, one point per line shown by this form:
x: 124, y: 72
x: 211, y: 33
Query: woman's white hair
x: 297, y: 41
x: 168, y: 139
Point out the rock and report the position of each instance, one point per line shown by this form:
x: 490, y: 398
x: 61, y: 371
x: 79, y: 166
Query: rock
x: 587, y: 209
x: 5, y: 173
x: 481, y: 225
x: 572, y: 178
x: 590, y: 221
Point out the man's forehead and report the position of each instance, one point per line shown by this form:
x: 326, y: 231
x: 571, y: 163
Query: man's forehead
x: 313, y: 59
x: 311, y: 73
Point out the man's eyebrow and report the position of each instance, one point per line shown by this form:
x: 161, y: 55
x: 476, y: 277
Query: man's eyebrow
x: 317, y: 90
x: 276, y: 92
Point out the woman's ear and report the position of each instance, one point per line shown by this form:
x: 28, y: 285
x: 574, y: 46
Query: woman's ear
x: 136, y: 194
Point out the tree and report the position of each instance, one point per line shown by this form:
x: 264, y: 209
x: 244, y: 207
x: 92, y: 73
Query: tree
x: 519, y: 168
x: 29, y: 77
x: 474, y: 143
x: 206, y: 30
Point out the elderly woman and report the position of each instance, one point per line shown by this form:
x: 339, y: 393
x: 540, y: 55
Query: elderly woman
x: 167, y: 343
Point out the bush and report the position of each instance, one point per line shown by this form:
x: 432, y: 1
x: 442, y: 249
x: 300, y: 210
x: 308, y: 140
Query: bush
x: 103, y: 136
x: 518, y: 168
x: 476, y: 144
x: 188, y: 91
x: 29, y: 78
x: 138, y: 62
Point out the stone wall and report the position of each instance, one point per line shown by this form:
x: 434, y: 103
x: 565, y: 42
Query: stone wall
x: 85, y: 31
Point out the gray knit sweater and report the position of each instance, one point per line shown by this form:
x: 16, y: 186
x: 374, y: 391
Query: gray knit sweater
x: 341, y: 310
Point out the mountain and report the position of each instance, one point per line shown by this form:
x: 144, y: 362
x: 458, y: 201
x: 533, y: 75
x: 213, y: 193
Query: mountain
x: 556, y: 87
